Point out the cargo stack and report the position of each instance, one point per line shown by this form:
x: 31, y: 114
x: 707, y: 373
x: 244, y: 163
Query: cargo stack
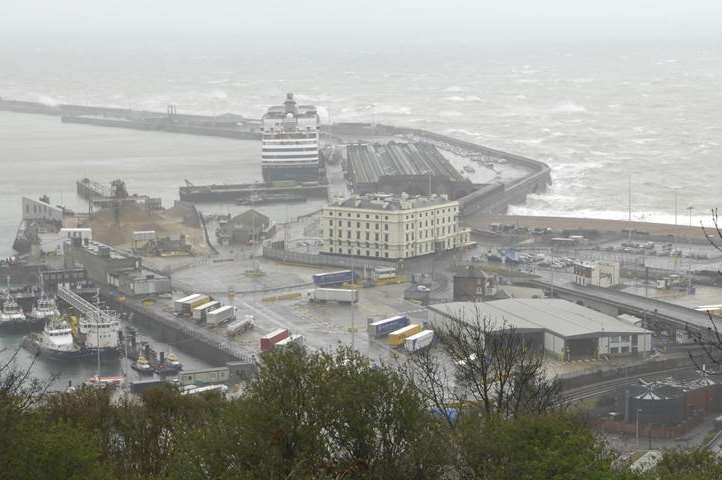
x: 397, y: 338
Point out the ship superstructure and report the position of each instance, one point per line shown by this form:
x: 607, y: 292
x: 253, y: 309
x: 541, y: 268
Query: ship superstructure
x: 290, y: 142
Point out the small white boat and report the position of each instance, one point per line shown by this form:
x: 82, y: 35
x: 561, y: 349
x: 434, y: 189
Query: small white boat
x: 44, y: 309
x: 11, y: 315
x: 55, y: 341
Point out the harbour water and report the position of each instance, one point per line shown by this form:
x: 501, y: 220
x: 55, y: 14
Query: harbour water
x: 597, y: 114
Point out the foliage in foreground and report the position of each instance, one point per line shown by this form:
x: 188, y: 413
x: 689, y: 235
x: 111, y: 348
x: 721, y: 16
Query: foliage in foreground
x: 308, y: 415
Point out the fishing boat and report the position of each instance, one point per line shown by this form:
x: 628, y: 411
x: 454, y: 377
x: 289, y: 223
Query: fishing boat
x: 101, y: 381
x: 55, y: 341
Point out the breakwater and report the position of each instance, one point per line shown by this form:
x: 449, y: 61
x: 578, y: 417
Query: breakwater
x: 485, y: 199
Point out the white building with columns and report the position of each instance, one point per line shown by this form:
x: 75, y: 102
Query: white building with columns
x: 392, y: 226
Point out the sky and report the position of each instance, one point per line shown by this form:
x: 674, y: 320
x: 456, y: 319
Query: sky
x: 361, y: 20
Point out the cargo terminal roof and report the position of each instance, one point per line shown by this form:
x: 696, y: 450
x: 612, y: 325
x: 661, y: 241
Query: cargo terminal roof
x: 369, y: 162
x: 564, y: 319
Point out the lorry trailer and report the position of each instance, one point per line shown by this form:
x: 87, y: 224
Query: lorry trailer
x: 419, y: 341
x: 397, y: 338
x: 200, y: 312
x: 341, y: 295
x: 333, y: 278
x: 291, y: 340
x: 179, y: 304
x: 269, y: 340
x: 239, y: 326
x: 382, y: 328
x: 221, y: 315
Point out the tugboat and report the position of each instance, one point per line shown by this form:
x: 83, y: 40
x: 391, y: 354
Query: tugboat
x: 168, y: 365
x: 55, y: 341
x: 12, y: 316
x: 44, y: 309
x: 141, y: 365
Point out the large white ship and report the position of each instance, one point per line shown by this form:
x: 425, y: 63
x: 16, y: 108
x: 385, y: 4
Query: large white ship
x: 290, y: 142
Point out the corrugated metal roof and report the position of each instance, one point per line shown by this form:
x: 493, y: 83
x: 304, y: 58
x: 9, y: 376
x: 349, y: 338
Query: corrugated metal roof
x: 557, y: 316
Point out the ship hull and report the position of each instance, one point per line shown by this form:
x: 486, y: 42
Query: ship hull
x: 33, y: 345
x: 300, y: 173
x: 13, y: 326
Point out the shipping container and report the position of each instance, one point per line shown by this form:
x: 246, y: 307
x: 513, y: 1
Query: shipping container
x: 181, y: 302
x: 342, y: 295
x: 199, y: 312
x: 333, y: 278
x: 204, y: 376
x: 239, y: 326
x: 270, y: 339
x: 221, y: 315
x: 291, y: 340
x: 396, y: 338
x: 382, y: 328
x: 419, y: 341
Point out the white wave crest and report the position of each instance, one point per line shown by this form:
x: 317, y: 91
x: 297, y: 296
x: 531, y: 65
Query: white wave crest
x: 569, y: 107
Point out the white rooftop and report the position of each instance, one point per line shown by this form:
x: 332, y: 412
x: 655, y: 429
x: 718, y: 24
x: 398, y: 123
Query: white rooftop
x: 565, y: 319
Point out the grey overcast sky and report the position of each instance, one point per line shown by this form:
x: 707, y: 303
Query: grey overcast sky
x: 358, y: 18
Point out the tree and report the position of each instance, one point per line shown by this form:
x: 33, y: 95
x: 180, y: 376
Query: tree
x: 492, y: 367
x: 535, y: 447
x: 697, y: 464
x: 319, y: 415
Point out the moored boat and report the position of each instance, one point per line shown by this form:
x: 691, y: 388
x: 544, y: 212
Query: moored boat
x: 55, y: 341
x: 11, y: 315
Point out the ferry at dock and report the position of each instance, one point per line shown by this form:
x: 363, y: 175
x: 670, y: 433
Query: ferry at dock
x: 290, y: 142
x: 55, y: 341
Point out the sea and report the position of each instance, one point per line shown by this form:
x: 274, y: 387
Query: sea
x: 609, y: 119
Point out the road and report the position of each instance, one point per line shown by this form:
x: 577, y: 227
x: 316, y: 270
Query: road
x: 627, y: 302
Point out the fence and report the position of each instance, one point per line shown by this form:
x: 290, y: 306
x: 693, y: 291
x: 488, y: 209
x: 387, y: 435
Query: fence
x: 324, y: 260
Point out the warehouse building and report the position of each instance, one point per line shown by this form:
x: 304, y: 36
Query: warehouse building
x: 392, y: 226
x: 564, y: 330
x: 415, y: 168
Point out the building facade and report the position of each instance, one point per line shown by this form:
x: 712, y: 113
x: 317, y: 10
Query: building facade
x: 392, y: 226
x: 290, y: 142
x: 597, y: 274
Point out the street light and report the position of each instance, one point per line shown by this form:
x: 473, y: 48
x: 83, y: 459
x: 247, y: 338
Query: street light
x: 639, y: 410
x: 690, y: 208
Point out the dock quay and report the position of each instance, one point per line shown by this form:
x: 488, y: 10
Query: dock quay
x: 197, y: 340
x: 233, y: 192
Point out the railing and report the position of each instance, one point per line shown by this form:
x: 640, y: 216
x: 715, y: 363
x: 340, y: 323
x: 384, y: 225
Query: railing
x: 83, y: 306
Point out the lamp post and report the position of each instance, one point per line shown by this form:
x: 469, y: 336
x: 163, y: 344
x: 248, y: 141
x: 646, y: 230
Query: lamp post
x: 690, y: 208
x: 639, y: 410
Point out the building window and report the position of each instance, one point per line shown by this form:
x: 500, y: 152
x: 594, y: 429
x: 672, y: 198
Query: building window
x: 614, y: 350
x: 330, y: 233
x: 358, y: 252
x: 330, y: 249
x: 377, y: 253
x: 386, y: 254
x: 358, y: 224
x: 625, y: 349
x: 386, y: 237
x: 368, y: 254
x: 386, y: 226
x: 367, y: 235
x: 358, y: 235
x: 376, y: 237
x: 349, y: 224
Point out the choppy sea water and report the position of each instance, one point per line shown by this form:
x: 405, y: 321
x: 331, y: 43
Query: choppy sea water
x: 601, y: 118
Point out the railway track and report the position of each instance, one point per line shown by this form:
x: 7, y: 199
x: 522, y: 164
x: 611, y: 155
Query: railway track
x: 571, y: 396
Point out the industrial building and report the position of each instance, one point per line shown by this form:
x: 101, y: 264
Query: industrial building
x: 564, y: 330
x: 474, y: 285
x: 415, y: 168
x: 111, y: 268
x: 597, y: 274
x: 249, y: 226
x: 392, y: 226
